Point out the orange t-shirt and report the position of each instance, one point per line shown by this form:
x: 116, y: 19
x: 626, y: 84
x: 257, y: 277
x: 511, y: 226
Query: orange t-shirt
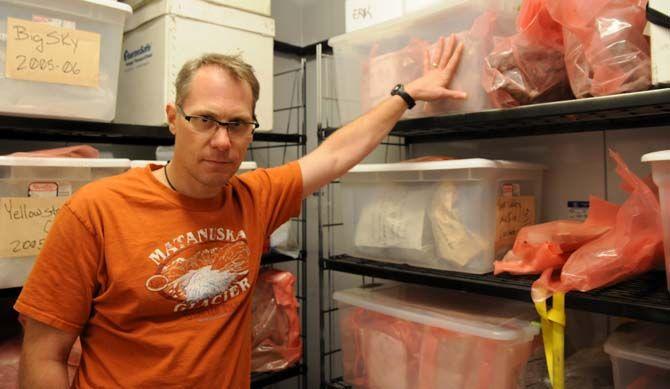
x: 157, y: 283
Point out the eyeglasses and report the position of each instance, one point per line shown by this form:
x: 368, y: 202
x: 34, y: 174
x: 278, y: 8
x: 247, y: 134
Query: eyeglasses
x: 206, y: 124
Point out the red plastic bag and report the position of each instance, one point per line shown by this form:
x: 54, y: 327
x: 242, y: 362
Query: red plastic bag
x: 276, y: 342
x: 605, y: 50
x: 548, y: 245
x: 10, y: 353
x: 379, y: 351
x: 81, y: 151
x: 634, y: 246
x: 527, y: 67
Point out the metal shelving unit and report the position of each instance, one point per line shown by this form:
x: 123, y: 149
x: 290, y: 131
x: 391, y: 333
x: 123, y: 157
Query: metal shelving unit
x: 645, y: 297
x: 56, y: 130
x: 262, y: 380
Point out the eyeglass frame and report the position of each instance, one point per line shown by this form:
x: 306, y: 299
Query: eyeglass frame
x: 218, y: 122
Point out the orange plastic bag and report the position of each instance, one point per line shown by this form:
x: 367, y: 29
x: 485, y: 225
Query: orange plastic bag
x: 548, y: 245
x: 527, y: 67
x: 605, y: 50
x: 634, y: 246
x: 276, y: 342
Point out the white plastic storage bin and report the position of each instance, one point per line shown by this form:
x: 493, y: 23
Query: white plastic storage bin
x: 407, y: 336
x: 660, y: 168
x: 49, y: 80
x: 31, y: 192
x: 452, y: 215
x: 660, y: 45
x: 370, y: 61
x: 161, y: 36
x: 640, y: 354
x: 263, y: 7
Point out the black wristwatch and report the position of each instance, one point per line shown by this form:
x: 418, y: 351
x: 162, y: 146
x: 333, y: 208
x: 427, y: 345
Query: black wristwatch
x: 400, y: 91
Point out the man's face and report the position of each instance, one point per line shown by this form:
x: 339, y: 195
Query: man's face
x: 211, y: 158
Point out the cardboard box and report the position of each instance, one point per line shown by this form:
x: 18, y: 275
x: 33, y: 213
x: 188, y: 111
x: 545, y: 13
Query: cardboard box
x: 164, y: 34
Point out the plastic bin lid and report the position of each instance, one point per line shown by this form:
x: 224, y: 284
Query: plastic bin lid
x: 65, y: 162
x: 487, y: 317
x: 143, y: 163
x: 645, y: 343
x: 112, y: 4
x: 657, y: 156
x: 248, y: 165
x: 455, y: 164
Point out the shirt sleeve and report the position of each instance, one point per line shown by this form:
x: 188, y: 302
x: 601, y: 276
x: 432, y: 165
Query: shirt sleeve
x: 278, y: 192
x: 60, y: 289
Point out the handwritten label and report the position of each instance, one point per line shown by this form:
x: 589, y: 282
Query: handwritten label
x: 46, y: 53
x: 24, y: 224
x: 512, y: 214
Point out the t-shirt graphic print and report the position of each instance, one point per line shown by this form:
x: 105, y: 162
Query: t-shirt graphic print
x: 201, y: 269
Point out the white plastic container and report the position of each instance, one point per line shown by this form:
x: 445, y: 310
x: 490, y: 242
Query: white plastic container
x: 31, y: 192
x: 640, y: 354
x: 660, y: 45
x: 263, y: 7
x: 451, y: 215
x: 161, y: 36
x: 660, y: 170
x: 369, y: 62
x: 407, y: 336
x: 53, y: 99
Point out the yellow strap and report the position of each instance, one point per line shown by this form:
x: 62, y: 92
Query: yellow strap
x: 553, y: 335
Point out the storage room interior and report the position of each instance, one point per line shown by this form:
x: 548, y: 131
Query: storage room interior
x: 382, y: 314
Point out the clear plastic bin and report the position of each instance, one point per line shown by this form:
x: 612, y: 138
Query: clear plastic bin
x: 31, y: 98
x: 370, y: 61
x: 452, y: 215
x: 31, y: 190
x: 660, y: 168
x: 407, y: 336
x: 640, y: 354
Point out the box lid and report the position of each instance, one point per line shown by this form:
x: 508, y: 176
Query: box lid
x: 248, y: 165
x: 429, y: 15
x: 645, y: 343
x: 657, y: 156
x: 455, y: 164
x: 205, y: 12
x: 65, y: 162
x: 110, y: 4
x: 143, y: 163
x: 487, y: 317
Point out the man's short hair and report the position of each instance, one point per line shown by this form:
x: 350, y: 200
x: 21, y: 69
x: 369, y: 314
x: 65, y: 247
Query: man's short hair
x: 233, y: 64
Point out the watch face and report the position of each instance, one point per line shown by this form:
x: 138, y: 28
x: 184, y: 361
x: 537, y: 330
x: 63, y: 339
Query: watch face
x: 397, y: 88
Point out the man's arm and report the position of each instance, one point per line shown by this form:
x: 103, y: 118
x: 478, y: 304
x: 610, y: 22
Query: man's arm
x: 44, y: 356
x: 350, y: 144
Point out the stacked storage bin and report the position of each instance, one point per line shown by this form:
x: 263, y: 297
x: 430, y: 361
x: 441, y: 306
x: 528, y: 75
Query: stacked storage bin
x: 31, y: 192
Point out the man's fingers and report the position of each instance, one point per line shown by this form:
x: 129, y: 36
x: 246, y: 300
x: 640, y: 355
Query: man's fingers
x: 437, y: 56
x: 454, y: 94
x: 453, y: 62
x: 444, y: 57
x: 426, y: 61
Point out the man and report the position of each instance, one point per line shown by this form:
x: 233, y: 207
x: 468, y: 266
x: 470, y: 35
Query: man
x: 154, y: 268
